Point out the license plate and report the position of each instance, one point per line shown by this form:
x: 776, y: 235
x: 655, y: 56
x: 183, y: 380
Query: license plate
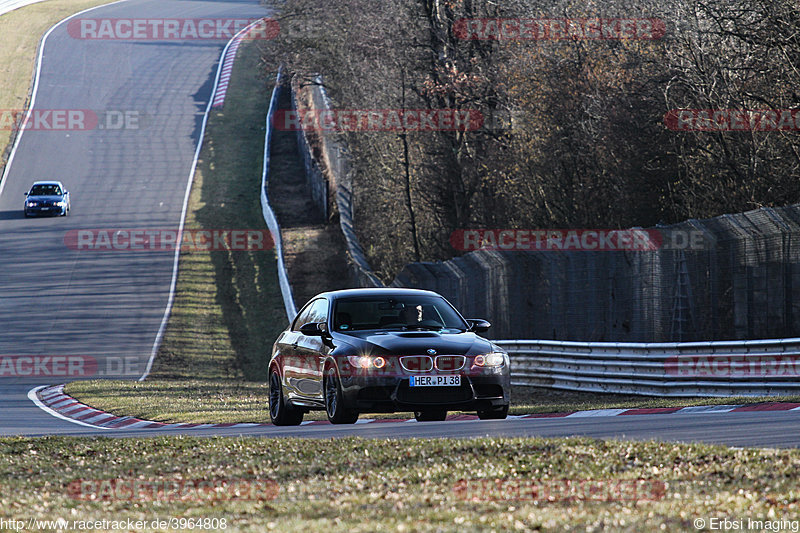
x: 435, y: 381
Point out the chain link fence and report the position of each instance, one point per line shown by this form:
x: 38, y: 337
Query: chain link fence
x: 314, y: 175
x: 744, y: 283
x: 335, y: 159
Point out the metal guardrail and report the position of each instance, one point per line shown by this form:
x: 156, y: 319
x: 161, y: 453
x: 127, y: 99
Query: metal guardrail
x: 266, y: 210
x: 718, y: 368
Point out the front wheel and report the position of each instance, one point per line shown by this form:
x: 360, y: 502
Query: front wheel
x: 337, y: 414
x: 430, y: 415
x: 499, y: 413
x: 280, y: 412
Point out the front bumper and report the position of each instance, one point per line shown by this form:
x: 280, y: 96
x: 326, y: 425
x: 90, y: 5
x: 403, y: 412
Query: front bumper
x: 384, y: 394
x: 50, y: 210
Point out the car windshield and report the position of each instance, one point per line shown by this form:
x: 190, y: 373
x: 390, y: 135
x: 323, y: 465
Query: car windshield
x: 395, y: 312
x: 45, y: 190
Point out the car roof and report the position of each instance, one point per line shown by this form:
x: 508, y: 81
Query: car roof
x: 48, y: 183
x: 375, y: 291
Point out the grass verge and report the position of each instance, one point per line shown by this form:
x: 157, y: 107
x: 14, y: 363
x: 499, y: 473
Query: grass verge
x: 20, y: 33
x: 357, y: 485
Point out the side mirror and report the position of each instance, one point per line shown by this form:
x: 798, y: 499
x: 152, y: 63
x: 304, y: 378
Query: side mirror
x: 478, y: 325
x: 314, y: 329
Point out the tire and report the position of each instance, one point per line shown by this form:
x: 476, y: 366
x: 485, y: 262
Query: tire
x: 499, y: 413
x: 280, y: 412
x: 431, y: 415
x: 337, y: 414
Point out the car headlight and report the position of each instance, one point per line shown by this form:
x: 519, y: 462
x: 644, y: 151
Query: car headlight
x: 61, y: 203
x: 366, y: 361
x: 32, y: 204
x: 490, y: 359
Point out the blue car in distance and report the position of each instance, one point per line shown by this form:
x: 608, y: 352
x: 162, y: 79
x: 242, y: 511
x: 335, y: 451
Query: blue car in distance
x: 47, y: 198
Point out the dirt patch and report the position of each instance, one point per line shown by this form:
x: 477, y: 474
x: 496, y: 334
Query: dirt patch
x: 314, y: 251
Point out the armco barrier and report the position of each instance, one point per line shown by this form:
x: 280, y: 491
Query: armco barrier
x: 724, y: 368
x: 741, y: 280
x: 269, y: 215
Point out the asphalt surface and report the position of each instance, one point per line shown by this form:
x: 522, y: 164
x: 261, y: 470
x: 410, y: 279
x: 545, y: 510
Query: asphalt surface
x: 108, y: 306
x: 104, y: 306
x: 744, y: 429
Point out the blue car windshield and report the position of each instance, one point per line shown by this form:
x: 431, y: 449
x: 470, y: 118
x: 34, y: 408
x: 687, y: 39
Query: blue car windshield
x: 400, y: 312
x: 45, y: 190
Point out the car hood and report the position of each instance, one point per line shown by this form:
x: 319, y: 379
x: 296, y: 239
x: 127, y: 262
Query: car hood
x: 45, y: 198
x: 416, y: 342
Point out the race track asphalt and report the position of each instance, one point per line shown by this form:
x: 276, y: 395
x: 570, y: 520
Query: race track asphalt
x: 103, y: 306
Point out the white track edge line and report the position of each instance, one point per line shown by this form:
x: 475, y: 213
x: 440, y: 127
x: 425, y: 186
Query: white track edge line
x: 32, y: 397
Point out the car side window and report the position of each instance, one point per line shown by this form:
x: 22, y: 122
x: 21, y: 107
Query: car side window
x: 319, y: 310
x: 316, y: 311
x: 302, y: 317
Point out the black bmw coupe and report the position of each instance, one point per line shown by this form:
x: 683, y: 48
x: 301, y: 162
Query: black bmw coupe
x: 381, y: 351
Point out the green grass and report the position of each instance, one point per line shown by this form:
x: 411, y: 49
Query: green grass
x: 179, y: 400
x: 355, y: 485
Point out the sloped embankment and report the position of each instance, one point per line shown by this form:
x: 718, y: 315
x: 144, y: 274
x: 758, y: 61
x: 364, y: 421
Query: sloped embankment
x: 314, y: 250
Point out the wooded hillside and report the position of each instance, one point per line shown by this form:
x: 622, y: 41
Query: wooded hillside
x: 575, y: 132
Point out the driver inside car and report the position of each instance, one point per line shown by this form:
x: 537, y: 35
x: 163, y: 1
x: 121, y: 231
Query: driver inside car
x: 411, y: 315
